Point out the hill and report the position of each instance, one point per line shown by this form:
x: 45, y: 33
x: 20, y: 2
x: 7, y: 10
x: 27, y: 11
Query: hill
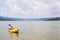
x: 30, y: 19
x: 8, y: 19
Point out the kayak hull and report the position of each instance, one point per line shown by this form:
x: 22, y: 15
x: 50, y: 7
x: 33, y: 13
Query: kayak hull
x: 14, y: 30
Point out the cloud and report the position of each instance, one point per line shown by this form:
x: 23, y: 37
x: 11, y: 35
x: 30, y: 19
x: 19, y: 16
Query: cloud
x: 58, y: 4
x: 30, y: 8
x: 55, y: 9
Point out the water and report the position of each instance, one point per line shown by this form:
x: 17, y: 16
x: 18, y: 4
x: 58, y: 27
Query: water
x: 31, y: 30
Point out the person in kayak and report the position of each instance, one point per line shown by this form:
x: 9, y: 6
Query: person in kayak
x: 11, y: 27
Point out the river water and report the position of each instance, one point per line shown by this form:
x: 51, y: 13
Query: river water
x: 31, y: 30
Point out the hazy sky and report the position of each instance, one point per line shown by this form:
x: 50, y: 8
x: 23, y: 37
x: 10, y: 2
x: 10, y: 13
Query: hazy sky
x: 30, y: 8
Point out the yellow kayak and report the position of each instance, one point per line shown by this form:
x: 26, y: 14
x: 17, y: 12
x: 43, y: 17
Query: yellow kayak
x: 14, y: 30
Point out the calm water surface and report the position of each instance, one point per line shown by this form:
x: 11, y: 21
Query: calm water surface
x: 31, y: 30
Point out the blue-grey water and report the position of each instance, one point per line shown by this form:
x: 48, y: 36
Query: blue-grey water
x: 31, y: 30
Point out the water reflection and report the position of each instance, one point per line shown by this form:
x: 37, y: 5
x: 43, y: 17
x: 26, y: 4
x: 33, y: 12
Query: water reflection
x: 14, y: 36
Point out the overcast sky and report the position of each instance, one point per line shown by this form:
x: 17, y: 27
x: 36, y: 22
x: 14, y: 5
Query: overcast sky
x: 30, y: 8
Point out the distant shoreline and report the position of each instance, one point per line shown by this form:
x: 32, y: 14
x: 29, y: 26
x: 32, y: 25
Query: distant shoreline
x: 29, y: 19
